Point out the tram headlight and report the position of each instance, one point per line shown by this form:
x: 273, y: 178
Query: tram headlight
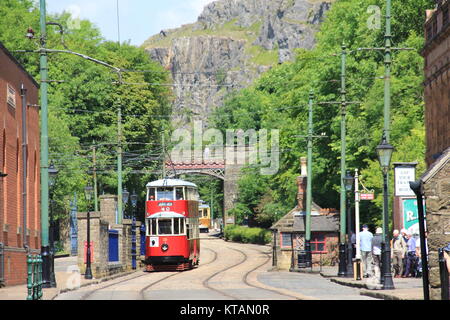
x: 165, y: 247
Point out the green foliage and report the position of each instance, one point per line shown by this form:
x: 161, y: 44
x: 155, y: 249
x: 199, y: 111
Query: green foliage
x: 278, y: 100
x: 242, y: 234
x: 83, y: 103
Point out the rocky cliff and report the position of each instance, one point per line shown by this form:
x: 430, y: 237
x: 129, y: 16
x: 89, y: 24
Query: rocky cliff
x: 231, y: 44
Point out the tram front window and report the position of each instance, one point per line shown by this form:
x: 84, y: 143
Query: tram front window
x: 165, y: 226
x: 179, y: 193
x: 165, y: 194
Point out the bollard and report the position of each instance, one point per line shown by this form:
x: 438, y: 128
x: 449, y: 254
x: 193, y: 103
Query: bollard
x: 39, y: 280
x: 443, y: 272
x: 30, y: 277
x: 133, y: 244
x: 34, y: 277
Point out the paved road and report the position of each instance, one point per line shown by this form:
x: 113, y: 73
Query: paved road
x: 227, y: 271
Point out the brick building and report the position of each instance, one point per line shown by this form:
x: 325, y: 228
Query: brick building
x: 437, y: 69
x: 289, y: 231
x: 20, y: 189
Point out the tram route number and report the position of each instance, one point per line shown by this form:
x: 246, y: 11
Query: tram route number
x: 165, y: 204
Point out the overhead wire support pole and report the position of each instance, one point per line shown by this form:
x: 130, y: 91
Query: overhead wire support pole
x: 342, y: 249
x: 45, y: 248
x: 309, y: 181
x: 94, y: 161
x: 386, y: 250
x: 119, y: 166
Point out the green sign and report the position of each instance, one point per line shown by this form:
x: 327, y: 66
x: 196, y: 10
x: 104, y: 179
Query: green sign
x: 411, y: 215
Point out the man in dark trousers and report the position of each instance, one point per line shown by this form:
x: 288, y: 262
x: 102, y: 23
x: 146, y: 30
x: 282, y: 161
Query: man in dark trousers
x: 410, y: 256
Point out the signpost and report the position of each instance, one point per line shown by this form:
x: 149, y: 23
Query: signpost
x: 404, y: 173
x: 367, y: 196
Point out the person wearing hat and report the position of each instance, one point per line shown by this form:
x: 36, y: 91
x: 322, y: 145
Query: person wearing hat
x: 410, y: 256
x: 398, y: 245
x: 365, y: 240
x: 376, y: 252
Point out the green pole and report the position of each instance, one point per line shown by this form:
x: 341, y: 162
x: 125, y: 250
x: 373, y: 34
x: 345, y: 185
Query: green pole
x: 44, y: 128
x: 45, y: 249
x: 309, y: 181
x: 387, y: 103
x: 163, y: 138
x: 343, y: 210
x: 343, y: 143
x: 119, y: 168
x: 94, y: 162
x: 212, y: 203
x: 30, y: 277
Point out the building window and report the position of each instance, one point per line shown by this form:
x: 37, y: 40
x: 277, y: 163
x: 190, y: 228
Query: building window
x: 318, y: 243
x: 286, y: 240
x: 11, y: 96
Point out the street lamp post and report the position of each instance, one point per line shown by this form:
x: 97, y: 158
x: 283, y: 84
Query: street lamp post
x: 52, y: 174
x: 348, y: 182
x: 88, y: 190
x: 384, y: 152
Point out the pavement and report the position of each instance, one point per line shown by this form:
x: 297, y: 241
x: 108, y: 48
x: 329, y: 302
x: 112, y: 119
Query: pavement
x: 67, y: 279
x: 405, y: 288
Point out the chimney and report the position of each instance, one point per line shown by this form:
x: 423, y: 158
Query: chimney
x: 301, y: 184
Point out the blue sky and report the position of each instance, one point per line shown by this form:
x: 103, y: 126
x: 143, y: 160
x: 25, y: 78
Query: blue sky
x: 139, y: 19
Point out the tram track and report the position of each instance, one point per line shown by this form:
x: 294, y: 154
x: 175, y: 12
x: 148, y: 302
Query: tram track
x: 143, y: 290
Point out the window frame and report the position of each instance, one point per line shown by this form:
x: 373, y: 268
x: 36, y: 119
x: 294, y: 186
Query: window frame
x: 282, y: 235
x: 315, y: 241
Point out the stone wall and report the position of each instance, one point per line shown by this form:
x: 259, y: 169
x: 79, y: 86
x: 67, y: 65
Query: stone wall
x: 436, y: 187
x: 99, y: 240
x: 108, y: 204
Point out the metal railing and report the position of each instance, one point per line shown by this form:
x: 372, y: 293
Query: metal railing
x: 34, y: 281
x: 443, y: 272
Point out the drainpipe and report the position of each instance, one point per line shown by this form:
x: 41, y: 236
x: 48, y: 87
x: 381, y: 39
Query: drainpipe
x: 23, y: 93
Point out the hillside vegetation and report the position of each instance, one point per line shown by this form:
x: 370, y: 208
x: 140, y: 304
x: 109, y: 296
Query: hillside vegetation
x: 278, y: 100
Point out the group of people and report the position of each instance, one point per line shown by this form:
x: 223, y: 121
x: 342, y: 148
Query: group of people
x: 405, y: 253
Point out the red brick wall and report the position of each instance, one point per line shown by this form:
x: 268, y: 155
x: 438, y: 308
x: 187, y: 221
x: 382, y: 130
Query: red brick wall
x: 11, y: 163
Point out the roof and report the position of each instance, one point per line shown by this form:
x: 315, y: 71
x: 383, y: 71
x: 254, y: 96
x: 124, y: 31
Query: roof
x: 18, y: 64
x: 436, y: 166
x: 318, y: 223
x: 286, y: 223
x: 171, y: 183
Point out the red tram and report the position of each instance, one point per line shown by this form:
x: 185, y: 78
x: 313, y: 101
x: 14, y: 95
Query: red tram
x: 172, y: 226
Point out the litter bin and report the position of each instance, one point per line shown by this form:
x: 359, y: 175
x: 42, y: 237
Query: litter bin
x: 303, y: 260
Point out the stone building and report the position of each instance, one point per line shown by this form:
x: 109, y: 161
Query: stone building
x: 436, y: 181
x: 20, y: 225
x: 102, y: 225
x: 436, y: 188
x: 437, y: 69
x: 289, y: 231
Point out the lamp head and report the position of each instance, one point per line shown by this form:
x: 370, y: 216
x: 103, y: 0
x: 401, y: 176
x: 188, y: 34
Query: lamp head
x: 134, y: 198
x: 384, y: 152
x: 88, y: 190
x: 52, y: 173
x: 125, y: 195
x: 348, y: 181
